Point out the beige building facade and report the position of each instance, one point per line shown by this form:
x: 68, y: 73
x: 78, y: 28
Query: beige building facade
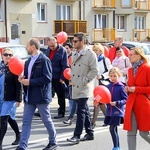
x: 100, y: 20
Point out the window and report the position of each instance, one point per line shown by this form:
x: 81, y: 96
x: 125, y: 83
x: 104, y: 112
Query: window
x: 63, y: 12
x: 42, y: 42
x: 100, y: 21
x: 0, y: 10
x: 41, y: 11
x: 126, y: 3
x: 139, y: 22
x: 121, y: 22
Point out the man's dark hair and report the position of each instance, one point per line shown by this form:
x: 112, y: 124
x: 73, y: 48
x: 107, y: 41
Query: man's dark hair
x: 81, y: 36
x: 69, y: 45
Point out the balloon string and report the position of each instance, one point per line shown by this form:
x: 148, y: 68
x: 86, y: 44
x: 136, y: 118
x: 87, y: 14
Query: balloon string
x: 119, y: 109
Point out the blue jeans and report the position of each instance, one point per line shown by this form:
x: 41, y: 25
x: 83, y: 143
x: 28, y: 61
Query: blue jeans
x: 72, y: 107
x: 27, y: 120
x: 83, y: 118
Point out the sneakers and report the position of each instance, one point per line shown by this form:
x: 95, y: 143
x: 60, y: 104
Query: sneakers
x: 74, y: 140
x: 19, y: 148
x: 50, y: 147
x: 68, y: 121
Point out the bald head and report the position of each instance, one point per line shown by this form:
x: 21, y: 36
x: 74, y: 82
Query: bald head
x: 52, y: 43
x: 118, y: 41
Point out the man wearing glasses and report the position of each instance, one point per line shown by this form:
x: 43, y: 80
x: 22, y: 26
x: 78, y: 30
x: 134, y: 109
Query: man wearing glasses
x: 83, y: 70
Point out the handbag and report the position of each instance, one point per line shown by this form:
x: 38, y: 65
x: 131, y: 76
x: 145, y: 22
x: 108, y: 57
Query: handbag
x: 103, y: 81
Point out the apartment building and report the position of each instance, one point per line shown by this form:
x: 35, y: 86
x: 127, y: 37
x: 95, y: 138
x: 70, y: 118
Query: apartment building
x: 100, y: 20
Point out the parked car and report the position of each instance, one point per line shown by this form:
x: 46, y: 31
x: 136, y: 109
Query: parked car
x: 19, y: 50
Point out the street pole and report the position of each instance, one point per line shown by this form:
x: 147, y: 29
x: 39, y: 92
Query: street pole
x: 5, y: 17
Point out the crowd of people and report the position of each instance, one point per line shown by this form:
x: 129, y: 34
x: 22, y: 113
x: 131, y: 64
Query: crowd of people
x: 43, y: 77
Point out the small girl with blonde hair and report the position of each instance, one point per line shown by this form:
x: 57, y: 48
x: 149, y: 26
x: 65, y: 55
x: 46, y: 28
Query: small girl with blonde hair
x: 115, y: 110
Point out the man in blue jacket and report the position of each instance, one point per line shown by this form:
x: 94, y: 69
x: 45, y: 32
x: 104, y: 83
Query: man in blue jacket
x: 58, y: 56
x: 37, y: 86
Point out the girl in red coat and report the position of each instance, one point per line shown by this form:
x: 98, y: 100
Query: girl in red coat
x: 137, y: 112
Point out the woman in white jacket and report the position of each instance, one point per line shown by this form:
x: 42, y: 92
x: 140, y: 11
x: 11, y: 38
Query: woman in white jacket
x: 122, y: 62
x: 104, y: 65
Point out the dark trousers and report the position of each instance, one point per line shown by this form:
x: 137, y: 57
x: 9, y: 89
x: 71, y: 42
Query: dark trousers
x: 114, y: 134
x: 4, y: 120
x: 57, y: 86
x: 83, y: 118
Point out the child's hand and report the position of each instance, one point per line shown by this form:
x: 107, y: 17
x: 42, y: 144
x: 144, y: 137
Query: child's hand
x: 96, y: 103
x: 113, y: 103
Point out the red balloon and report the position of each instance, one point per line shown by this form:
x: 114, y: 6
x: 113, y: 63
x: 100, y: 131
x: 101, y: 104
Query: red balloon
x: 62, y: 37
x: 16, y: 65
x: 102, y: 94
x: 106, y: 51
x: 67, y: 73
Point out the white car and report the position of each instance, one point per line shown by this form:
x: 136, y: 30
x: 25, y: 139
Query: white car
x: 19, y: 50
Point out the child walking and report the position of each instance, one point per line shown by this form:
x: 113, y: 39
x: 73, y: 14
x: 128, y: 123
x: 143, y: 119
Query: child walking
x: 115, y: 110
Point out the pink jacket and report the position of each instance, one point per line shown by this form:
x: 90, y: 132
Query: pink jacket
x: 122, y: 63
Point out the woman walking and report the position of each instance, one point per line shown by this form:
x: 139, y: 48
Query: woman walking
x: 10, y: 97
x: 137, y: 112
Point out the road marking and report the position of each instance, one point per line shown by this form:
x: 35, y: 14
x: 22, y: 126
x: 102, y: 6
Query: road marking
x: 44, y: 141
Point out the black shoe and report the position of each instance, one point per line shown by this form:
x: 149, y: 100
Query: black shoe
x: 104, y: 125
x: 16, y: 142
x: 50, y: 147
x: 68, y: 121
x: 19, y: 148
x: 74, y: 140
x: 59, y: 116
x: 87, y: 137
x: 37, y: 114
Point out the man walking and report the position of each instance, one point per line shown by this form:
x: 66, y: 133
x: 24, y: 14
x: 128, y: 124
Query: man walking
x: 37, y: 86
x: 58, y: 56
x: 83, y: 70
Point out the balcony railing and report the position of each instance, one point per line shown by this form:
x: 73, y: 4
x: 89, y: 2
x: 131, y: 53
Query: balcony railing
x: 70, y: 26
x: 140, y: 34
x: 71, y: 0
x: 103, y: 35
x: 104, y: 3
x: 141, y: 5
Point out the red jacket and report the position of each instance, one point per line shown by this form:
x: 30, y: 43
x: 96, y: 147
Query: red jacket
x: 138, y: 100
x: 112, y: 52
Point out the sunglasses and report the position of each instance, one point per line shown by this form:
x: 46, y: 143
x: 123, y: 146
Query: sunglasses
x: 75, y: 41
x: 6, y: 55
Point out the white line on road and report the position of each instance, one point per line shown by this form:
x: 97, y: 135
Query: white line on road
x: 62, y: 137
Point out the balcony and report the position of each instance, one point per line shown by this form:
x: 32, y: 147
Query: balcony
x: 141, y: 5
x: 104, y: 4
x: 103, y: 35
x: 140, y: 34
x: 71, y: 0
x: 70, y: 26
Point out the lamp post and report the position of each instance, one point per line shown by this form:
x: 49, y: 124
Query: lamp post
x: 5, y: 19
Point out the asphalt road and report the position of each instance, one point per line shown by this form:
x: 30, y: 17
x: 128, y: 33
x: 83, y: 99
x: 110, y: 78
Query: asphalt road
x: 39, y: 138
